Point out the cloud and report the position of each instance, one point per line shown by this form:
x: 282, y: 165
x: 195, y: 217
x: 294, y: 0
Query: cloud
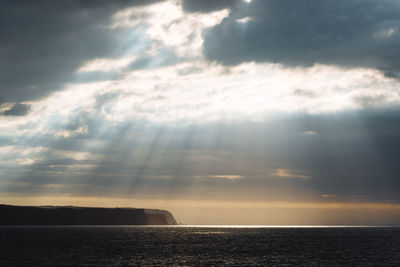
x: 304, y: 93
x: 207, y: 5
x: 346, y: 33
x: 17, y: 110
x: 228, y: 177
x: 353, y: 156
x: 44, y: 42
x: 285, y: 173
x: 164, y: 57
x: 371, y: 101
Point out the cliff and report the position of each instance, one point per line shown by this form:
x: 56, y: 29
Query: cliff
x: 54, y: 215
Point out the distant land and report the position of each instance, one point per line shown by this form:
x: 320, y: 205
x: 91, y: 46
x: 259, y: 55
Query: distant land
x: 70, y: 215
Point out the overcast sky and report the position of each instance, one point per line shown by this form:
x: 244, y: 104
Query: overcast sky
x: 262, y: 111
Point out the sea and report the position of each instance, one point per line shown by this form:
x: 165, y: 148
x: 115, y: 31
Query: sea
x: 199, y: 246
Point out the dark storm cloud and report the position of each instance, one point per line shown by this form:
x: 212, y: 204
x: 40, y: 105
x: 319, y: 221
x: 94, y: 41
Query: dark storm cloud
x: 17, y: 110
x: 352, y: 154
x: 42, y: 43
x: 348, y: 33
x: 207, y: 5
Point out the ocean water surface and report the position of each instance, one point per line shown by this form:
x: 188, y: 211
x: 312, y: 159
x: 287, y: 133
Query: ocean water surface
x: 198, y: 246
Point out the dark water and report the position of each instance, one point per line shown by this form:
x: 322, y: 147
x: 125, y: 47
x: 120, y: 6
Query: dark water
x: 198, y: 246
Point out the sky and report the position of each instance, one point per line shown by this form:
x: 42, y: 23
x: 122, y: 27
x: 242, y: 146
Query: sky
x: 223, y: 112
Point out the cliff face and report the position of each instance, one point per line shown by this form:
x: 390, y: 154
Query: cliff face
x: 49, y: 215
